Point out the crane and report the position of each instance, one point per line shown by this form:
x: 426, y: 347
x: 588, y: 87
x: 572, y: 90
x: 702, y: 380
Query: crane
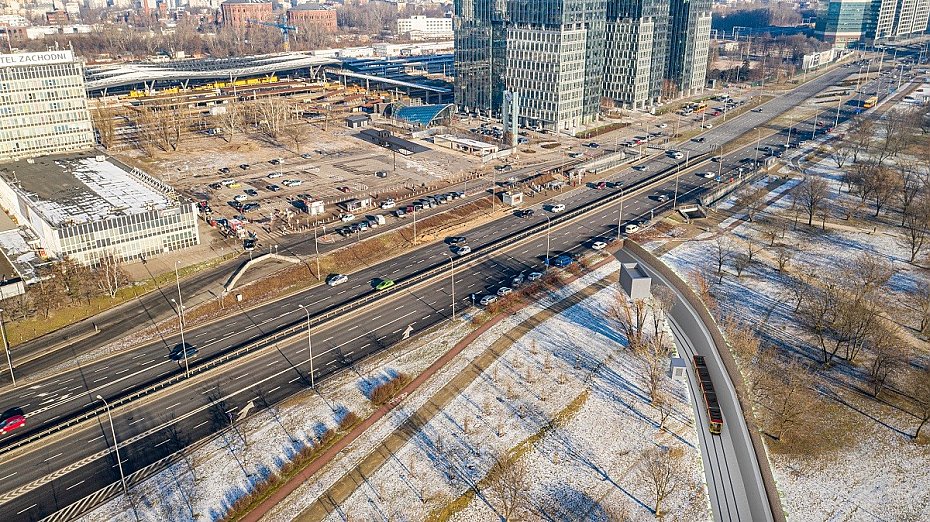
x: 286, y: 30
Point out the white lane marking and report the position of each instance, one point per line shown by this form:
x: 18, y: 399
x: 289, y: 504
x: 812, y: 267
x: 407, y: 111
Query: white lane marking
x: 140, y: 419
x: 8, y: 476
x: 75, y: 485
x: 276, y: 388
x: 173, y: 405
x: 199, y: 425
x: 272, y: 363
x: 162, y: 442
x: 25, y: 510
x: 298, y: 377
x: 241, y: 376
x: 53, y: 456
x: 95, y: 438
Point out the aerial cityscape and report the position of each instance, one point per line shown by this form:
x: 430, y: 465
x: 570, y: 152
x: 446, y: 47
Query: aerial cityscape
x: 457, y: 260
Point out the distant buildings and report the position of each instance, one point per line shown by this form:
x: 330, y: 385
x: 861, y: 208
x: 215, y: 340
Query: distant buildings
x: 420, y: 26
x: 846, y: 22
x: 237, y: 13
x: 561, y: 57
x: 313, y: 15
x: 43, y: 105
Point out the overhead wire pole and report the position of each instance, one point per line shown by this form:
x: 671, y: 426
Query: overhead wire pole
x: 548, y: 228
x: 620, y: 214
x: 309, y: 346
x: 119, y: 461
x: 177, y: 277
x: 452, y: 262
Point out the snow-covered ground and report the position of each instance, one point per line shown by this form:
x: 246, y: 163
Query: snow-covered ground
x: 585, y: 468
x: 879, y: 474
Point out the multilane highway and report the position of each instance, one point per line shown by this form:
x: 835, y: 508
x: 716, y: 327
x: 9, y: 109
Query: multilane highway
x: 36, y: 482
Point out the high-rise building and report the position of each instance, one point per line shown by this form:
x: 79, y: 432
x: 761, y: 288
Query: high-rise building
x: 43, y: 105
x: 550, y: 53
x: 689, y: 41
x: 637, y: 35
x: 844, y: 22
x: 900, y: 18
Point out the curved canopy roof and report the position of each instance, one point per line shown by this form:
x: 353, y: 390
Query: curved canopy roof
x: 424, y: 115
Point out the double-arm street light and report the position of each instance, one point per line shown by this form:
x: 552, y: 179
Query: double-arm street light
x: 119, y: 461
x: 452, y: 262
x: 309, y: 346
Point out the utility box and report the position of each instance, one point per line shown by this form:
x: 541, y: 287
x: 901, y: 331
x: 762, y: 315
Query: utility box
x: 513, y: 198
x: 634, y: 281
x: 677, y: 370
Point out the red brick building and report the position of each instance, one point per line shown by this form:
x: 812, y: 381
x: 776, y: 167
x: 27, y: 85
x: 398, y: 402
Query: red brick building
x: 57, y: 17
x: 237, y: 13
x: 305, y: 15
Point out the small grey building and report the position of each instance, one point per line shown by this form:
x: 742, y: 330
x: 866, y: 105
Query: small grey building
x: 634, y: 281
x: 357, y: 121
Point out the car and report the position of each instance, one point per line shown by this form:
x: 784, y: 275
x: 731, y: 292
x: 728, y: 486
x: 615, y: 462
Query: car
x: 593, y: 145
x: 384, y: 284
x: 462, y: 250
x: 516, y: 280
x: 400, y: 213
x: 245, y: 166
x: 757, y: 109
x: 248, y: 245
x: 388, y: 204
x: 599, y: 245
x: 275, y: 175
x: 709, y: 175
x: 12, y: 419
x: 182, y: 351
x: 708, y: 125
x: 292, y: 183
x: 336, y: 279
x: 276, y: 161
x: 344, y: 189
x: 381, y: 174
x: 534, y: 276
x: 632, y: 227
x: 558, y: 207
x: 224, y: 170
x: 699, y: 139
x: 561, y: 261
x: 454, y: 240
x: 662, y: 198
x: 641, y: 168
x: 347, y: 217
x: 601, y: 185
x: 273, y: 187
x: 251, y: 192
x: 525, y: 213
x: 363, y: 226
x: 216, y: 186
x: 674, y: 154
x: 504, y: 291
x: 306, y: 155
x: 574, y: 155
x: 662, y: 125
x: 240, y: 198
x: 488, y: 299
x: 716, y: 159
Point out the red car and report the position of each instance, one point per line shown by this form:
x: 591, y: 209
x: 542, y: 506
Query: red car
x: 11, y: 419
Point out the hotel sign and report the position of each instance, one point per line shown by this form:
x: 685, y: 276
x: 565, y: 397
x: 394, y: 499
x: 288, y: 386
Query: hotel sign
x: 40, y: 58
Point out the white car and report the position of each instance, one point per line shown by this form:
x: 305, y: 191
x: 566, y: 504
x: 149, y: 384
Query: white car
x: 347, y: 217
x: 462, y: 250
x: 558, y: 207
x: 388, y: 204
x: 292, y: 183
x: 708, y: 125
x: 677, y: 155
x: 274, y: 175
x: 599, y: 245
x: 709, y: 175
x: 533, y: 276
x: 632, y: 227
x: 336, y: 279
x: 662, y: 125
x: 240, y: 198
x: 488, y: 299
x: 504, y: 290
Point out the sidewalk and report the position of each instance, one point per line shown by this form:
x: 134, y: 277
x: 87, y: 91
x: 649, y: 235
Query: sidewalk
x: 347, y: 484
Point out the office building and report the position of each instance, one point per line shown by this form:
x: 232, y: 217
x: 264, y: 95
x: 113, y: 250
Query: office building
x: 637, y: 36
x: 896, y: 19
x: 844, y: 22
x: 88, y: 207
x: 43, y: 105
x: 550, y: 53
x: 688, y: 45
x: 561, y: 57
x: 420, y: 26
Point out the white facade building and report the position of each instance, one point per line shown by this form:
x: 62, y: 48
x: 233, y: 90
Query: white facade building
x: 87, y: 208
x: 43, y: 105
x: 424, y: 27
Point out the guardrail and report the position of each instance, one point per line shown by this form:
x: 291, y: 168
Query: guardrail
x: 272, y: 338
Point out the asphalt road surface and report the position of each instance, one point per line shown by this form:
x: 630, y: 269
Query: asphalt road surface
x: 67, y: 469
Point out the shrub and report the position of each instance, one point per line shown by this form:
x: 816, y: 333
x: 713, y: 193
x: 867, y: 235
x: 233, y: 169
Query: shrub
x: 386, y: 391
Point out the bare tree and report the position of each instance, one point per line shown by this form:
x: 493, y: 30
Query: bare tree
x: 916, y: 223
x: 741, y: 262
x: 722, y: 252
x: 785, y: 397
x: 881, y: 185
x: 911, y: 186
x: 110, y: 275
x: 919, y: 386
x: 505, y: 487
x: 296, y: 131
x: 840, y: 153
x: 752, y: 247
x: 103, y: 117
x: 654, y: 353
x: 888, y: 357
x: 783, y: 256
x: 812, y: 194
x: 660, y: 304
x: 632, y: 318
x: 660, y: 470
x: 919, y: 300
x: 859, y: 138
x: 664, y: 404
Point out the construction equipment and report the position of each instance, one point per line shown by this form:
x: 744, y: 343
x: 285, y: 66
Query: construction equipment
x: 286, y: 30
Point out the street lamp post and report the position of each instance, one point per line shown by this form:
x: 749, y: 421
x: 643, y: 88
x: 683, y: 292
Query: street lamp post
x: 177, y: 277
x: 814, y: 132
x: 677, y: 175
x: 620, y: 214
x: 119, y: 461
x: 755, y: 157
x: 309, y: 346
x: 414, y: 225
x: 6, y: 347
x: 452, y: 262
x: 316, y: 246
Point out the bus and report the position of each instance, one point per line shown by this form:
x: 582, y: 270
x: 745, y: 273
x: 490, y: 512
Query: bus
x: 870, y: 102
x: 700, y: 107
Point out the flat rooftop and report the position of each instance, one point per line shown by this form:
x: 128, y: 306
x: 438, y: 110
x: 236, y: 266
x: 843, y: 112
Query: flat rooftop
x: 81, y: 188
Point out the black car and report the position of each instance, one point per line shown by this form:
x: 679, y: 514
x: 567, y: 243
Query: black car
x: 249, y: 245
x: 182, y: 350
x: 527, y: 213
x: 699, y: 140
x: 216, y: 186
x: 454, y: 240
x: 225, y: 170
x: 273, y: 188
x: 248, y: 207
x: 244, y: 166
